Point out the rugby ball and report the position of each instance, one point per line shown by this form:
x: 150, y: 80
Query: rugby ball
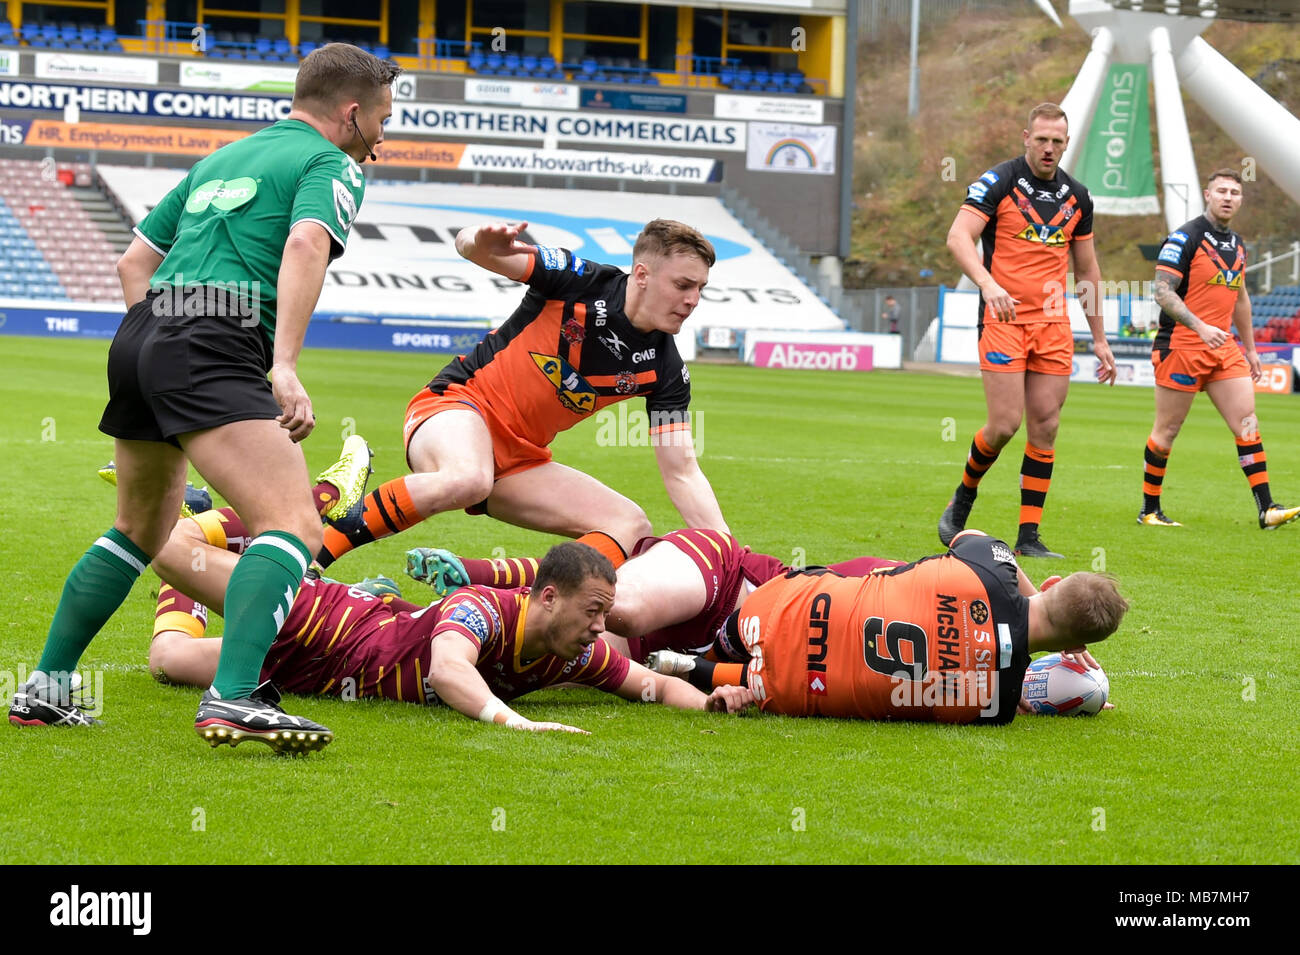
x: 1058, y: 687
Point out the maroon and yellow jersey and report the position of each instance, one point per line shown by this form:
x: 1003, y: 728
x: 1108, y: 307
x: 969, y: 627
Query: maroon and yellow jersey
x: 1030, y: 223
x: 338, y: 640
x: 568, y: 351
x: 1210, y: 266
x: 943, y: 639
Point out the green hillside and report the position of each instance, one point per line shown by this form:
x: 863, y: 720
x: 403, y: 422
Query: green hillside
x: 981, y: 73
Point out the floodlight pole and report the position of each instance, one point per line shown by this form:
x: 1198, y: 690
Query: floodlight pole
x: 914, y: 84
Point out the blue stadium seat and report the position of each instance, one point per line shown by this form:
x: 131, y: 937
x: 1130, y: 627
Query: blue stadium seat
x: 727, y: 76
x: 262, y: 45
x: 512, y: 63
x: 305, y: 47
x: 6, y: 32
x: 29, y: 31
x: 495, y: 63
x: 547, y: 65
x: 68, y: 31
x: 381, y: 50
x: 475, y: 61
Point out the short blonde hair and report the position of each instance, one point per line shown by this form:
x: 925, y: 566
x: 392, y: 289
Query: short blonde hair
x: 1085, y: 606
x: 1047, y: 111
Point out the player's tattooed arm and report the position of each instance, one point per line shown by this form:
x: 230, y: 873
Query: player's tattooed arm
x: 1167, y: 298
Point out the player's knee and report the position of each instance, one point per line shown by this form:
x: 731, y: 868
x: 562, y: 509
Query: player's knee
x: 1001, y: 430
x: 629, y: 527
x: 178, y: 552
x: 162, y: 653
x: 463, y: 484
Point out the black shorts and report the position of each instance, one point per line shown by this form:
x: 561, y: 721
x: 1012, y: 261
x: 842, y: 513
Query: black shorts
x: 169, y: 375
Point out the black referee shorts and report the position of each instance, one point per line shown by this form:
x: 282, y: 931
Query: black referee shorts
x: 172, y: 374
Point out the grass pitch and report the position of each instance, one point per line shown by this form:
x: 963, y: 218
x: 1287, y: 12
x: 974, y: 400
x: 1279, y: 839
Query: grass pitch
x: 1196, y: 764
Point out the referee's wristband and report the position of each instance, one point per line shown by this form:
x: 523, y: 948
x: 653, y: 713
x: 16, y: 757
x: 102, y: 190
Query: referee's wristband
x: 494, y: 711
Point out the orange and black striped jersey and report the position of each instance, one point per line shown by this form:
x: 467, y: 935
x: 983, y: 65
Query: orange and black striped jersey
x: 943, y: 639
x: 1030, y: 223
x: 1211, y: 268
x: 568, y: 351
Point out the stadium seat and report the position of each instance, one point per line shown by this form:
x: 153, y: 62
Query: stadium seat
x: 69, y: 31
x: 547, y: 65
x: 6, y: 33
x: 262, y: 45
x: 29, y: 31
x: 475, y: 61
x: 381, y: 50
x: 528, y: 64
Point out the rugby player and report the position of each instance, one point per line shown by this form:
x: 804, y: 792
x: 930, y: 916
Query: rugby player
x: 946, y: 638
x: 221, y: 279
x: 1033, y: 220
x: 585, y: 336
x: 674, y: 593
x: 474, y: 650
x: 1201, y: 290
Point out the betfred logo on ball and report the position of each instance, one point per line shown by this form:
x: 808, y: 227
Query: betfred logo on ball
x: 1055, y: 686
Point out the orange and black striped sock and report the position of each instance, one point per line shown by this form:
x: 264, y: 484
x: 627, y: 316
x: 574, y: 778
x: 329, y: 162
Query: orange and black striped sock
x: 1155, y: 460
x: 602, y: 542
x: 1254, y: 464
x: 982, y: 456
x: 1035, y: 479
x: 389, y: 510
x: 501, y: 571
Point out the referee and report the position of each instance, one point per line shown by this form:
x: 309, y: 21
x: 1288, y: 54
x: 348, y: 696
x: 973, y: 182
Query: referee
x: 221, y: 279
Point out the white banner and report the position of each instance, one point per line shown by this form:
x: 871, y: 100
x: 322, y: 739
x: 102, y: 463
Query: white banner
x: 465, y: 121
x: 631, y: 167
x: 401, y: 258
x: 788, y: 110
x: 543, y: 95
x: 8, y: 62
x: 112, y: 69
x: 216, y: 75
x: 789, y: 147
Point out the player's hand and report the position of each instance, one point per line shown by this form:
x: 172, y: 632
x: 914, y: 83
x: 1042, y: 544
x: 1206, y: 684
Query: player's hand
x: 501, y: 238
x: 1106, y: 371
x: 291, y: 396
x: 1214, y: 337
x: 1256, y: 372
x: 729, y: 699
x: 1081, y: 656
x: 997, y: 300
x: 550, y: 728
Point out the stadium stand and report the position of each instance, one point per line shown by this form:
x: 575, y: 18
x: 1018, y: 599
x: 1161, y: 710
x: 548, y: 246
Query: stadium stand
x: 1276, y: 315
x: 53, y: 248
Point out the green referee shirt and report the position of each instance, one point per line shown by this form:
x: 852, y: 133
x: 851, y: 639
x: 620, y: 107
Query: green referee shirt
x: 226, y: 223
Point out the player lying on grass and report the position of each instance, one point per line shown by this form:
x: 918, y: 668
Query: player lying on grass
x: 472, y: 651
x: 673, y: 594
x: 945, y: 639
x: 337, y: 489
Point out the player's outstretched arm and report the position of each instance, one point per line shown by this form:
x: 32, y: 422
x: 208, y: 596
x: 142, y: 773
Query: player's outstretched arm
x: 496, y: 247
x: 454, y: 678
x: 645, y: 686
x: 687, y: 487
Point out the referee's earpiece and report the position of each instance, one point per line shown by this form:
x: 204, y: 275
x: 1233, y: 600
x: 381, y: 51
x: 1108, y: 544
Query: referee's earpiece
x: 371, y: 152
